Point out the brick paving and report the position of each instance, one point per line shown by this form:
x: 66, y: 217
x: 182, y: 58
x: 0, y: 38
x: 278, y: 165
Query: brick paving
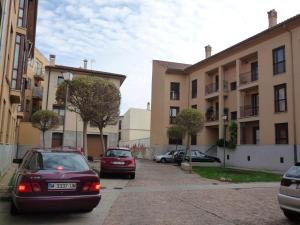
x: 208, y: 206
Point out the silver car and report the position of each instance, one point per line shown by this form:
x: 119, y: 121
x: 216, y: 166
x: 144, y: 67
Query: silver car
x: 289, y: 193
x: 167, y: 157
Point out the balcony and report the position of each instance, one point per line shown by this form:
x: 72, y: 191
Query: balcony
x: 212, y: 89
x: 248, y: 79
x: 15, y: 96
x: 37, y: 93
x: 39, y: 74
x: 249, y: 111
x: 211, y: 117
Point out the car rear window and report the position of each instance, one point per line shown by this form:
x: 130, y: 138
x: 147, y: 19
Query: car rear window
x: 58, y: 161
x: 118, y: 153
x: 294, y: 171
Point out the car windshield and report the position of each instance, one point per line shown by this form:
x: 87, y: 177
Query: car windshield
x: 57, y: 161
x: 293, y: 172
x: 118, y: 153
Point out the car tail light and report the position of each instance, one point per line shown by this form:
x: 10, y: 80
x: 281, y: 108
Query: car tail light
x: 131, y: 162
x: 24, y: 188
x: 286, y: 182
x: 91, y: 186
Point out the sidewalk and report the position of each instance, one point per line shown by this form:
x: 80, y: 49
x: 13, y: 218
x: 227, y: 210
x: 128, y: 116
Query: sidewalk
x: 5, y: 179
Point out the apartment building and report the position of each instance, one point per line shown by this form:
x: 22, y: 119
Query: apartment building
x: 55, y: 75
x: 255, y: 83
x: 28, y: 136
x: 17, y: 41
x: 135, y: 127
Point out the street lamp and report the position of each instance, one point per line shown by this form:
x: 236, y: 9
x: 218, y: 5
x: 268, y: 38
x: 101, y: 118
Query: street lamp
x: 224, y: 139
x: 67, y: 77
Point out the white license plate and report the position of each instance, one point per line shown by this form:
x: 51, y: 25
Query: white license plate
x: 61, y: 186
x: 118, y: 163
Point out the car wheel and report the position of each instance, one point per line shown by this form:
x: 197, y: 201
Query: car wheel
x: 13, y: 209
x: 291, y: 215
x: 163, y: 160
x: 132, y: 176
x: 102, y: 175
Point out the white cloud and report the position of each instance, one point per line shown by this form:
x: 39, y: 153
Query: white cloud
x: 124, y: 36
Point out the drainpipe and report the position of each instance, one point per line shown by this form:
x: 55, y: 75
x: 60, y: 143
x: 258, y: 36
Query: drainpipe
x: 293, y: 98
x: 48, y: 85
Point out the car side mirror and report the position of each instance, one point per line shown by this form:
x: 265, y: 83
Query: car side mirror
x: 17, y: 161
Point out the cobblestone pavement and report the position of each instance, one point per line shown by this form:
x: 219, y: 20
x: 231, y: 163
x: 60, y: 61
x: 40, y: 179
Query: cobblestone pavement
x: 251, y: 204
x: 162, y: 194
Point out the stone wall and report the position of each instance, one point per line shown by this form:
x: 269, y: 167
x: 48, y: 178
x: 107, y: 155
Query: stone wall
x: 7, y: 154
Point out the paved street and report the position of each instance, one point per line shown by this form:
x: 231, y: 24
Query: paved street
x: 164, y: 195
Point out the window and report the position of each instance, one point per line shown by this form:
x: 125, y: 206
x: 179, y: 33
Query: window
x: 233, y: 86
x: 173, y: 113
x: 38, y: 68
x: 280, y: 98
x: 18, y: 63
x: 27, y: 105
x: 174, y: 91
x: 60, y: 80
x: 22, y: 13
x: 194, y: 106
x: 175, y: 141
x: 254, y: 71
x: 279, y: 60
x: 233, y: 115
x: 281, y: 133
x: 194, y: 88
x: 60, y: 111
x: 193, y: 139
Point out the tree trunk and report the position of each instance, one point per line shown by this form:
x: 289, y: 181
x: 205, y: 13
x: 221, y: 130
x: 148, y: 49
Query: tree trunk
x: 102, y: 140
x: 85, y: 124
x: 190, y: 153
x: 43, y: 139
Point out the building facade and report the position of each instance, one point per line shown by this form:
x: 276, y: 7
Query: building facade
x: 54, y: 76
x: 254, y: 83
x: 17, y: 41
x: 135, y: 127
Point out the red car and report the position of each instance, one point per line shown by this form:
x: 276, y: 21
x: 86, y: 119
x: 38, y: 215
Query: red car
x: 54, y: 180
x: 118, y: 161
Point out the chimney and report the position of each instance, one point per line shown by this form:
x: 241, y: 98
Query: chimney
x: 85, y: 61
x: 52, y: 60
x: 207, y: 51
x: 148, y: 106
x: 272, y: 15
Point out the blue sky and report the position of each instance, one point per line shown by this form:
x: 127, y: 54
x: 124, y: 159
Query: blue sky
x: 124, y: 36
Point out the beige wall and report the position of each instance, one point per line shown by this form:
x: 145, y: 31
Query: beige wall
x: 28, y: 135
x: 232, y: 66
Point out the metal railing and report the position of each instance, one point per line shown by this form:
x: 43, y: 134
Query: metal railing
x: 214, y: 87
x: 211, y: 117
x: 249, y: 111
x: 248, y: 77
x: 37, y: 92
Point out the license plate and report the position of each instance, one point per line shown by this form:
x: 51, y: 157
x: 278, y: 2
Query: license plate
x: 61, y: 186
x: 118, y: 163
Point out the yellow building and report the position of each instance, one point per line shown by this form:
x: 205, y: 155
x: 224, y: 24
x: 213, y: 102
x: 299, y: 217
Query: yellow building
x: 73, y: 128
x: 17, y: 40
x: 255, y: 83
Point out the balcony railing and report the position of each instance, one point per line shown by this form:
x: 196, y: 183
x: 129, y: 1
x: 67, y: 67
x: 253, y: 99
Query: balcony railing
x: 211, y: 117
x: 249, y: 111
x: 248, y: 77
x: 39, y: 73
x: 214, y: 87
x: 37, y: 92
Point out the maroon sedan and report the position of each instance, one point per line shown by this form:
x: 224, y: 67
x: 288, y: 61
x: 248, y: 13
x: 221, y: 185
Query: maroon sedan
x: 118, y: 161
x: 54, y: 180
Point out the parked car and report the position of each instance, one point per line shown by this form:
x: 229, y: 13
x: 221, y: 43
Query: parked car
x: 289, y: 193
x: 178, y: 156
x: 167, y: 157
x: 54, y: 180
x: 197, y: 156
x: 118, y: 161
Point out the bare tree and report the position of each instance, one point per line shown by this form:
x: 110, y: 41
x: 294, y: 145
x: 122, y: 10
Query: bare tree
x: 44, y: 120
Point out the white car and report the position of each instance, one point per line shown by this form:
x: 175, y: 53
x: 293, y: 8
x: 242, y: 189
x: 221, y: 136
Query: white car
x: 167, y: 157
